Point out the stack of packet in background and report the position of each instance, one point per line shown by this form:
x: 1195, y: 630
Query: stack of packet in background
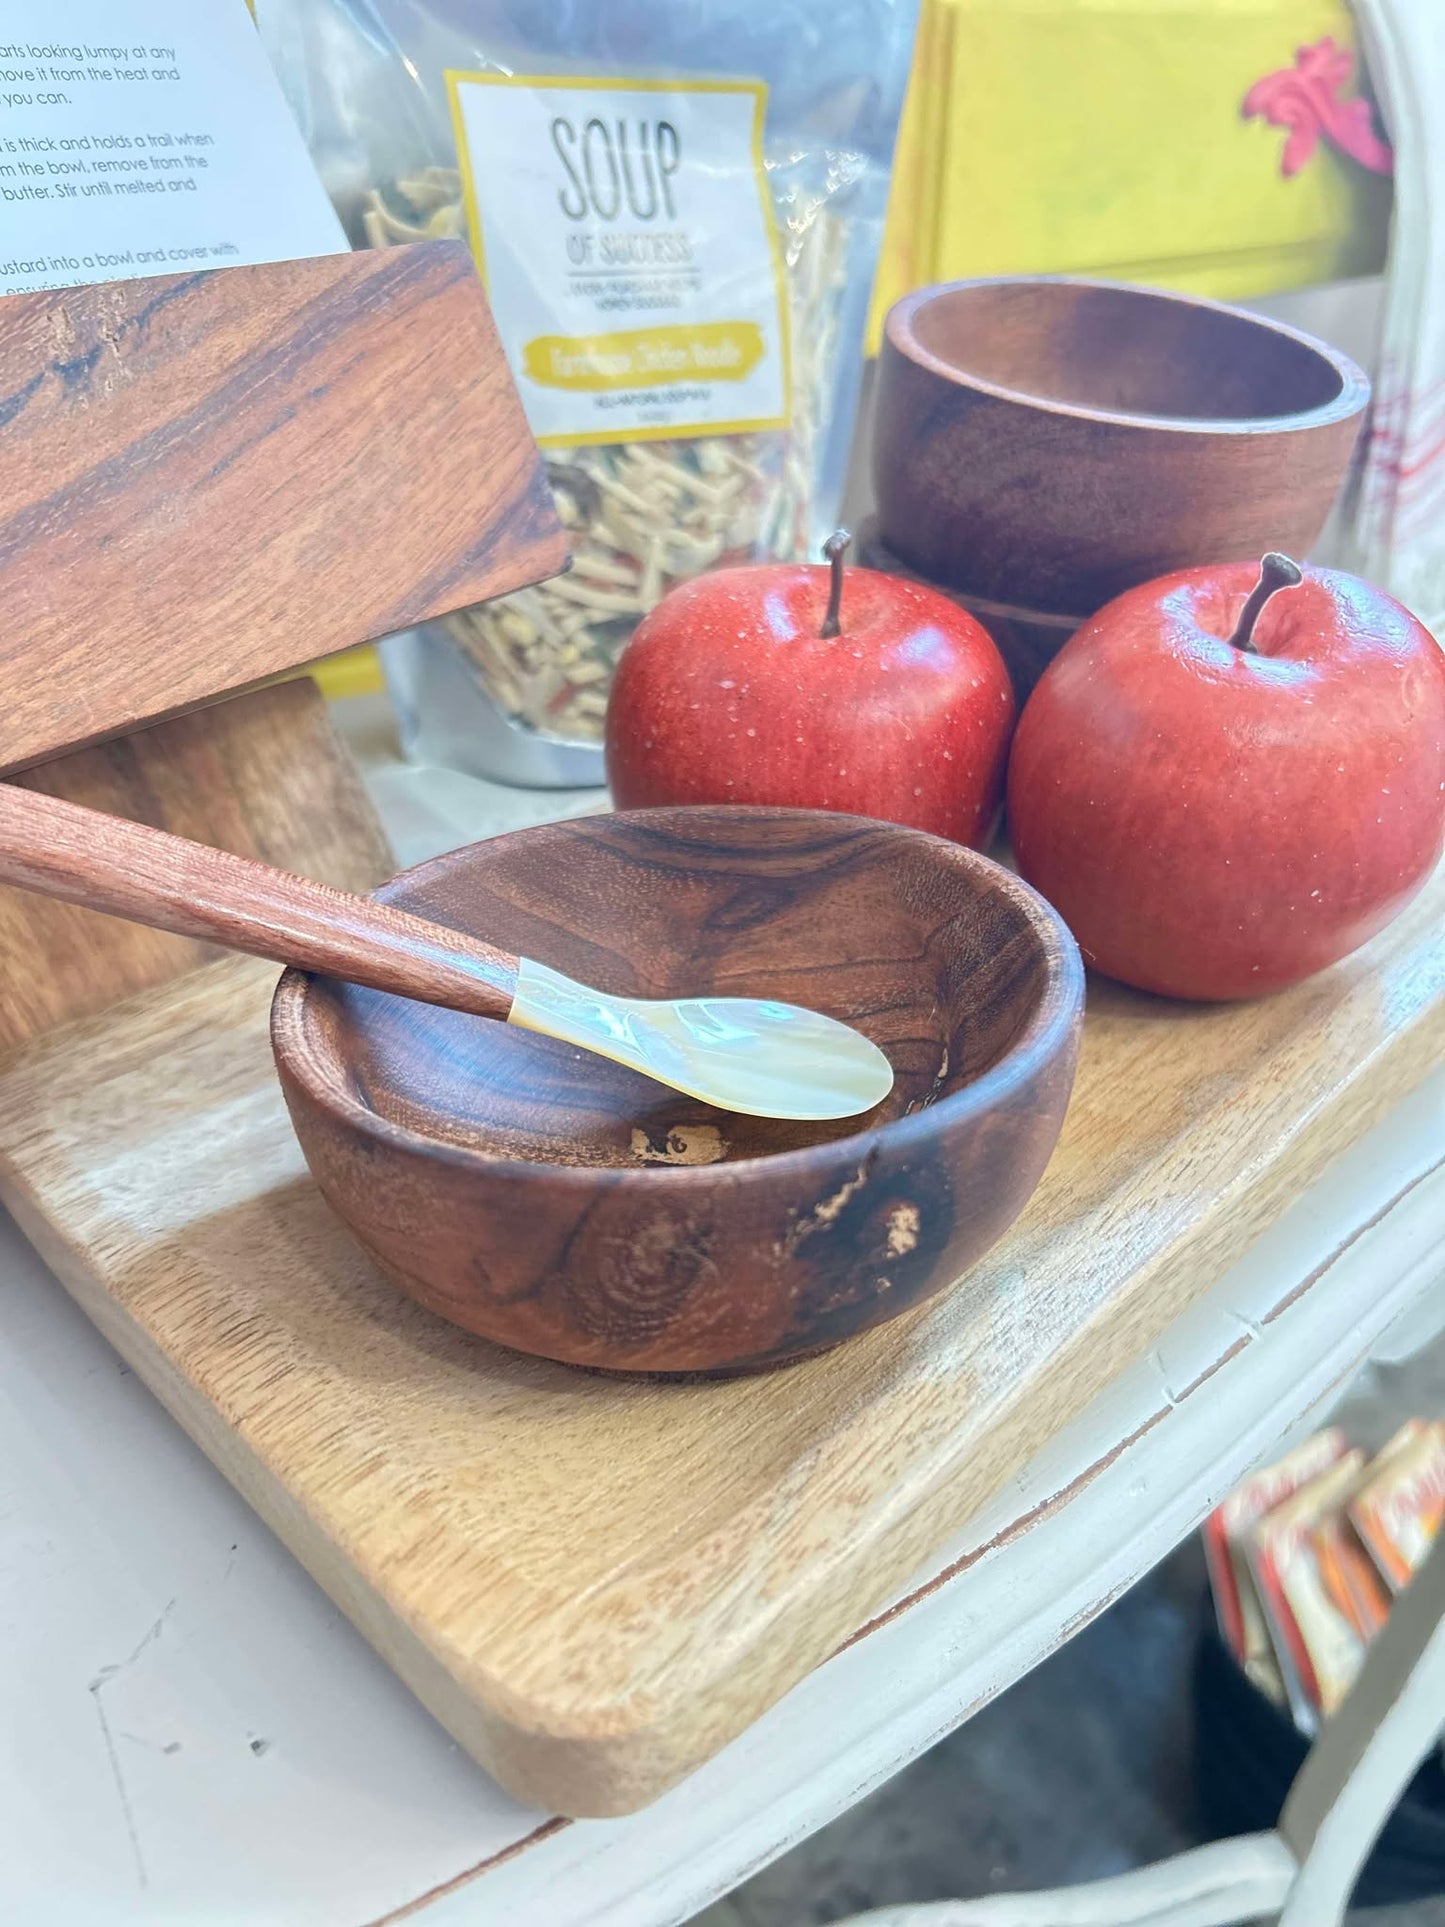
x: 1306, y: 1556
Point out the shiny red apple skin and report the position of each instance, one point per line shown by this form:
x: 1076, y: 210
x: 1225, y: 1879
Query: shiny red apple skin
x: 727, y: 693
x: 1214, y: 824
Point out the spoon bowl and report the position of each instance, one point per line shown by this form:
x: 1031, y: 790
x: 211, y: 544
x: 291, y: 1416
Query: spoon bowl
x: 751, y: 1054
x: 573, y: 1207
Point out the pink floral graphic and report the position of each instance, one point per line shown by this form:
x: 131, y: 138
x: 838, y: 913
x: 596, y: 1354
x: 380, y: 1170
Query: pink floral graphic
x: 1305, y: 99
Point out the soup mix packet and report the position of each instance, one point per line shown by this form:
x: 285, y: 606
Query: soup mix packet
x: 1305, y: 1557
x: 676, y: 206
x: 1399, y: 1509
x: 1226, y: 1534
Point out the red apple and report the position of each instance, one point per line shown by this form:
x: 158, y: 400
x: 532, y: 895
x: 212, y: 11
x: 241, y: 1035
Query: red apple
x: 1225, y: 785
x: 783, y: 684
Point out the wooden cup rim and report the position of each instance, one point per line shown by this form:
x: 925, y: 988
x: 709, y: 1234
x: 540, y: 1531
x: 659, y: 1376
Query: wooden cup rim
x: 1354, y: 395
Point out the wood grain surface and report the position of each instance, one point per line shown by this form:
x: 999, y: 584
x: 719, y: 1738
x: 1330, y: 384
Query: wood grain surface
x: 1048, y: 443
x: 571, y: 1207
x: 207, y: 479
x: 594, y: 1581
x: 264, y: 775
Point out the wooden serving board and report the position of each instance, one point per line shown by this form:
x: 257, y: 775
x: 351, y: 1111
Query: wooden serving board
x: 594, y: 1582
x: 207, y: 479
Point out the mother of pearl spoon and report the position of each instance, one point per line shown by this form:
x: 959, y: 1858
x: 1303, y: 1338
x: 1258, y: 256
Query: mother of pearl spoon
x: 740, y: 1053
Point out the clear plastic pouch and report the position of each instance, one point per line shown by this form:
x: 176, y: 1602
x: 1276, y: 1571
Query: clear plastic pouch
x: 759, y: 260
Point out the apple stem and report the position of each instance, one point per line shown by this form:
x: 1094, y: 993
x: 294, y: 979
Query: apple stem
x: 1276, y: 572
x: 834, y: 549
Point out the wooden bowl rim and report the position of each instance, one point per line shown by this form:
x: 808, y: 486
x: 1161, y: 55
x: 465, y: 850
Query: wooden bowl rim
x: 1046, y: 1033
x: 1353, y: 397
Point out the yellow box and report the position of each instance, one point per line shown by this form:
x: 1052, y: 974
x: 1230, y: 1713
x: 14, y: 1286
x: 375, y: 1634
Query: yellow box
x: 1106, y: 137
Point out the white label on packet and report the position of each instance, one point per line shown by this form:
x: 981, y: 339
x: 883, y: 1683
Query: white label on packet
x: 148, y: 137
x: 625, y: 234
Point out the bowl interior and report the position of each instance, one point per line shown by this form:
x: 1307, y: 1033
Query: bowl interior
x: 930, y: 949
x: 1124, y: 351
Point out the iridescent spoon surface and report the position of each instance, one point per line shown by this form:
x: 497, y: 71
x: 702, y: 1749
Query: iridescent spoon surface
x: 741, y: 1053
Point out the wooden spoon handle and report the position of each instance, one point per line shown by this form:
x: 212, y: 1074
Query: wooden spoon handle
x: 130, y: 870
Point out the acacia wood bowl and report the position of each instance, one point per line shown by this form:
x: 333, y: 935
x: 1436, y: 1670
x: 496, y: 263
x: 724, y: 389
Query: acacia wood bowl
x: 568, y: 1206
x: 1047, y: 443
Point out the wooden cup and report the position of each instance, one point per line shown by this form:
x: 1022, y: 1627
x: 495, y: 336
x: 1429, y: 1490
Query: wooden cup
x: 1046, y: 444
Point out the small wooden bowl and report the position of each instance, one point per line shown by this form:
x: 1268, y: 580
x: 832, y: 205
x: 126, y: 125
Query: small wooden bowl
x: 1049, y: 443
x: 570, y: 1207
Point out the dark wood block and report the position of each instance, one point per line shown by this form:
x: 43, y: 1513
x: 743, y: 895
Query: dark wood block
x: 209, y: 479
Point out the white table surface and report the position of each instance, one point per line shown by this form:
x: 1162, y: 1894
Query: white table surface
x: 191, y: 1732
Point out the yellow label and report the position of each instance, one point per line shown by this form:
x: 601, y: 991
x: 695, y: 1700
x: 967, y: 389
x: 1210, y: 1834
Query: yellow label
x: 624, y: 229
x: 712, y: 351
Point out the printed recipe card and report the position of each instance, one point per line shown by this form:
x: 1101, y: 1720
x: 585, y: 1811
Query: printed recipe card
x: 146, y: 137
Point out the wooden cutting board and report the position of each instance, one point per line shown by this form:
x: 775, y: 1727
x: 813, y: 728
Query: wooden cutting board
x: 594, y: 1582
x: 207, y: 479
